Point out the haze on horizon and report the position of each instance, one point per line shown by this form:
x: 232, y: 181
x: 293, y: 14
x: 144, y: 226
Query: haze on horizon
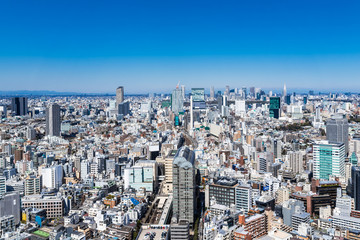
x: 90, y: 46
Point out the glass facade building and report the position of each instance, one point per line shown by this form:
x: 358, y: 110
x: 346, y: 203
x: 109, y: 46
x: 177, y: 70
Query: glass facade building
x: 329, y: 159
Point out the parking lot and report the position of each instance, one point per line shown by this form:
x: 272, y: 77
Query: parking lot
x: 157, y: 232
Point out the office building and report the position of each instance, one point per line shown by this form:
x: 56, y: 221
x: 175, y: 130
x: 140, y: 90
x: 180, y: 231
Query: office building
x: 240, y: 107
x: 184, y: 187
x: 354, y: 147
x: 124, y: 108
x: 274, y: 107
x: 212, y: 92
x: 85, y: 169
x: 139, y: 177
x: 3, y: 111
x: 223, y: 191
x: 30, y: 133
x: 289, y: 208
x: 299, y: 217
x: 53, y: 205
x: 183, y: 91
x: 52, y: 177
x: 244, y: 92
x: 119, y: 95
x: 19, y: 106
x: 243, y: 197
x: 337, y: 130
x: 177, y: 101
x: 53, y: 120
x: 10, y: 205
x: 276, y: 148
x: 355, y: 178
x: 329, y: 159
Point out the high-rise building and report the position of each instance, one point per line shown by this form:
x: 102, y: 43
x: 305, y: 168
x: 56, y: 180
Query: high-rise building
x: 10, y: 205
x: 52, y: 176
x: 355, y: 178
x: 337, y: 130
x: 296, y: 161
x: 276, y: 148
x: 177, y: 101
x: 354, y: 147
x: 244, y: 92
x: 124, y: 108
x: 274, y: 107
x: 227, y: 90
x: 329, y: 159
x: 240, y: 108
x: 119, y: 95
x: 183, y: 91
x: 30, y: 133
x: 252, y: 91
x: 243, y: 197
x: 184, y: 187
x: 32, y: 185
x: 19, y: 106
x: 53, y: 120
x: 85, y: 169
x: 212, y: 92
x: 284, y: 91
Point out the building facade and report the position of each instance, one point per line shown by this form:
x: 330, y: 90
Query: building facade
x: 329, y: 159
x: 184, y: 188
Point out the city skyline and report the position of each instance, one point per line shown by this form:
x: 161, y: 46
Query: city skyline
x: 89, y: 47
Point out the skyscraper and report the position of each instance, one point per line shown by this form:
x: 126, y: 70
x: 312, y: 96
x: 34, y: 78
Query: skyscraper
x: 212, y: 92
x: 19, y: 106
x: 53, y: 121
x: 355, y: 178
x: 227, y: 90
x: 274, y: 108
x: 177, y: 101
x: 329, y: 159
x: 276, y: 148
x: 184, y: 186
x: 284, y: 91
x: 183, y: 91
x: 337, y: 130
x: 244, y: 91
x: 119, y: 95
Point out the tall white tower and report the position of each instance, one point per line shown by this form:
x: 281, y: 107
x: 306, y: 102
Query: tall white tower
x: 284, y: 91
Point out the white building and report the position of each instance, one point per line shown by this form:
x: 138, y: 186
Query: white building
x: 52, y: 176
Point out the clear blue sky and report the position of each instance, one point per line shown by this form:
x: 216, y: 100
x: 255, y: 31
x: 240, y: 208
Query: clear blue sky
x: 148, y: 46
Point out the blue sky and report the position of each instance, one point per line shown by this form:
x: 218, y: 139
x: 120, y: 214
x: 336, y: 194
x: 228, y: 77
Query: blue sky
x: 148, y: 46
